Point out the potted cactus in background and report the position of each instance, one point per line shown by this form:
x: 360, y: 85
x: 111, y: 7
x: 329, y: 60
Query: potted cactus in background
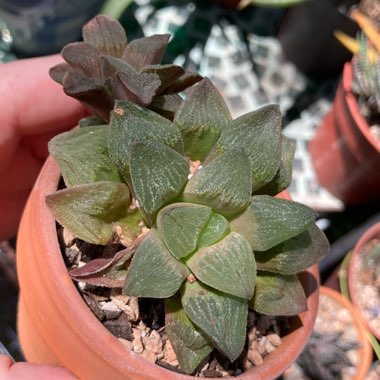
x: 164, y: 200
x: 346, y: 148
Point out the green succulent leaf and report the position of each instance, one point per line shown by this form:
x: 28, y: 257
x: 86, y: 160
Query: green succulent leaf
x: 221, y: 316
x: 224, y: 184
x: 106, y: 34
x: 90, y: 121
x: 82, y: 156
x: 216, y: 229
x: 146, y: 50
x: 131, y: 123
x: 228, y: 266
x: 283, y: 177
x: 154, y: 272
x: 200, y: 119
x: 180, y: 225
x: 296, y: 254
x: 89, y: 210
x: 168, y: 74
x: 278, y: 294
x: 189, y: 343
x: 269, y: 221
x: 259, y: 134
x: 158, y: 174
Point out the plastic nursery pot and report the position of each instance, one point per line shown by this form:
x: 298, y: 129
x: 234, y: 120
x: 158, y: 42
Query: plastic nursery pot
x: 352, y: 275
x: 365, y: 352
x: 56, y: 326
x: 345, y: 155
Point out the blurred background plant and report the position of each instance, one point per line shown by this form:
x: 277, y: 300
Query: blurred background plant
x: 366, y: 68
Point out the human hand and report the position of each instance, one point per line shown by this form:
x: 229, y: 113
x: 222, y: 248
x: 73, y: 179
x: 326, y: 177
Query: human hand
x: 34, y: 109
x: 28, y: 371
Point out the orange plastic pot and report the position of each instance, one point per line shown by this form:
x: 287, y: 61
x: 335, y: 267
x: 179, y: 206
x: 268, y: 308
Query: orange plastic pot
x: 365, y: 352
x: 56, y: 326
x: 372, y: 233
x: 345, y: 155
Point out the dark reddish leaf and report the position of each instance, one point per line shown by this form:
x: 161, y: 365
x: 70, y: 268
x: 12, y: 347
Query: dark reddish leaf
x: 89, y: 92
x: 143, y: 86
x: 186, y: 80
x: 168, y: 74
x: 106, y: 34
x: 146, y: 51
x: 83, y: 57
x: 107, y: 272
x: 58, y: 72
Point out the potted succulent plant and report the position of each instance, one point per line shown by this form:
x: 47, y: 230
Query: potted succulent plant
x: 345, y: 151
x: 170, y: 202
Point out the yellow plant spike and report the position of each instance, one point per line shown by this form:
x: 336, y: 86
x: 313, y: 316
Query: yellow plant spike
x: 368, y: 28
x: 353, y: 45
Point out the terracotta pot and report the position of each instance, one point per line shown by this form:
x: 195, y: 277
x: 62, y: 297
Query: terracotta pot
x: 345, y: 155
x: 57, y: 327
x: 365, y: 352
x: 371, y: 233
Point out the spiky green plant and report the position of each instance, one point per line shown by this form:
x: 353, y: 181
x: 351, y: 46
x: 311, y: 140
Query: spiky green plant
x: 204, y: 186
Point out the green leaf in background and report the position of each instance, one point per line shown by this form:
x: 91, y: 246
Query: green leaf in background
x: 158, y: 174
x: 189, y: 343
x: 228, y: 266
x: 283, y: 177
x: 82, y: 156
x: 200, y: 119
x: 216, y: 229
x: 221, y: 316
x: 296, y: 254
x: 180, y: 225
x: 89, y: 210
x: 259, y: 134
x: 223, y: 184
x: 268, y: 221
x: 153, y: 271
x: 278, y: 294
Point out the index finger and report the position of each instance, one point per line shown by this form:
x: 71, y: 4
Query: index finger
x: 32, y: 103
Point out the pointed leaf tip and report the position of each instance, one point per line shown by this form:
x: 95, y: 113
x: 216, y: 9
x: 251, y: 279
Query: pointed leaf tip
x: 221, y: 316
x: 154, y: 272
x: 106, y: 34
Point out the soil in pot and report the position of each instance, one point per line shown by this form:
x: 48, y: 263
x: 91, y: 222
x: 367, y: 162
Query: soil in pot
x: 140, y: 323
x: 338, y: 348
